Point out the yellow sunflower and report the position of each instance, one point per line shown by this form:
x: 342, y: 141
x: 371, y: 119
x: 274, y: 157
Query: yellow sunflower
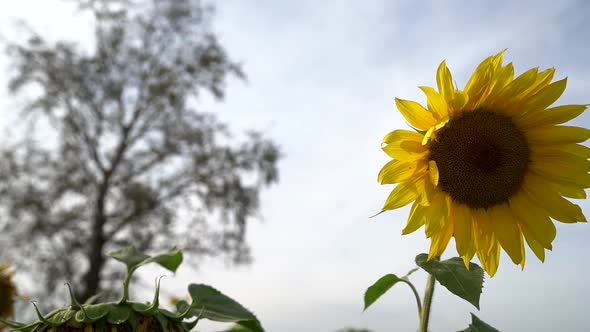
x: 7, y: 292
x: 489, y: 164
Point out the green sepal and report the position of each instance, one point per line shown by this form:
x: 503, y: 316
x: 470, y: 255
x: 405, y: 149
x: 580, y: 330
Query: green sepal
x: 41, y: 318
x: 93, y: 312
x: 133, y: 320
x: 162, y: 320
x: 12, y: 324
x: 118, y: 313
x: 60, y: 316
x: 73, y: 302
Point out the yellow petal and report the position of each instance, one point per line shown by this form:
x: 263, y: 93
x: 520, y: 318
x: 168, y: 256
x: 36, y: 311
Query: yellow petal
x: 542, y: 80
x: 503, y: 77
x: 550, y: 116
x: 444, y: 81
x: 433, y: 171
x: 534, y: 217
x: 404, y: 193
x: 576, y: 149
x: 558, y: 207
x: 463, y: 228
x: 535, y: 246
x: 459, y: 101
x: 478, y: 85
x: 568, y: 190
x: 397, y: 171
x: 493, y: 260
x: 555, y: 161
x: 570, y: 174
x: 416, y: 219
x: 544, y: 98
x: 516, y: 87
x: 427, y: 194
x: 482, y: 232
x: 435, y: 102
x: 441, y: 239
x: 557, y: 135
x: 404, y: 145
x: 507, y: 232
x: 436, y: 214
x: 417, y: 116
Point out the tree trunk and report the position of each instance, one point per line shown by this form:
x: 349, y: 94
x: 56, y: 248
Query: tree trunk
x: 95, y: 251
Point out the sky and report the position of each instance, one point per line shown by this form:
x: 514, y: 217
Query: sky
x: 322, y: 78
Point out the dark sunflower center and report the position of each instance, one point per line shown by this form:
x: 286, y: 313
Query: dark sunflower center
x: 481, y: 157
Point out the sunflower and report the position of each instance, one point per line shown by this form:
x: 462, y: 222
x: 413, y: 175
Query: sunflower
x: 489, y: 164
x: 7, y: 292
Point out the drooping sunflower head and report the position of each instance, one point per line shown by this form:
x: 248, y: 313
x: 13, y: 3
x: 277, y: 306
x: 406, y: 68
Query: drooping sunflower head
x: 489, y: 165
x: 7, y: 291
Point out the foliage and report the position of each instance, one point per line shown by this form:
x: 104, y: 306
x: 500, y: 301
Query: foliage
x: 128, y: 316
x: 477, y: 325
x: 129, y: 159
x: 451, y: 273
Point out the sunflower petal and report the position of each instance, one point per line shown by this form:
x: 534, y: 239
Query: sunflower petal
x: 557, y: 135
x: 463, y: 228
x: 544, y: 98
x: 434, y: 214
x: 435, y: 102
x: 396, y: 171
x: 535, y: 246
x: 404, y: 145
x: 519, y: 85
x: 534, y: 218
x: 558, y: 207
x: 416, y: 218
x: 506, y: 229
x: 441, y: 239
x: 550, y: 116
x: 433, y: 171
x: 575, y: 149
x: 568, y: 190
x: 415, y: 113
x: 404, y: 193
x: 444, y: 81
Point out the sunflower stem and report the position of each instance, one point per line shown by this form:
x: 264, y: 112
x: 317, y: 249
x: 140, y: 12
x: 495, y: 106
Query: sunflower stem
x: 417, y: 296
x: 425, y: 316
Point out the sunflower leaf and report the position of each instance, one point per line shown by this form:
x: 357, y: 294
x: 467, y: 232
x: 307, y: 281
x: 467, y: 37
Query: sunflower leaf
x: 478, y: 325
x: 452, y: 274
x: 380, y: 287
x: 133, y: 258
x: 209, y: 303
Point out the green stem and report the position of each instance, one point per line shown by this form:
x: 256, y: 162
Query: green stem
x: 416, y: 295
x: 125, y: 296
x: 424, y: 318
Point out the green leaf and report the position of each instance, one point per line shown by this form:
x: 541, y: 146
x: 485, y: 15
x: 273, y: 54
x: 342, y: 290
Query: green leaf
x: 134, y: 259
x: 452, y: 274
x: 210, y: 303
x: 379, y: 288
x: 129, y: 255
x: 478, y: 325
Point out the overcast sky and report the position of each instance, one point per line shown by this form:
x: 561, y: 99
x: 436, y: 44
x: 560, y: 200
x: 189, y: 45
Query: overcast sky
x: 322, y: 79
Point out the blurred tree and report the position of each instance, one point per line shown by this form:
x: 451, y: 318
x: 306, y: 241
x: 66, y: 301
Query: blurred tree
x: 133, y: 161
